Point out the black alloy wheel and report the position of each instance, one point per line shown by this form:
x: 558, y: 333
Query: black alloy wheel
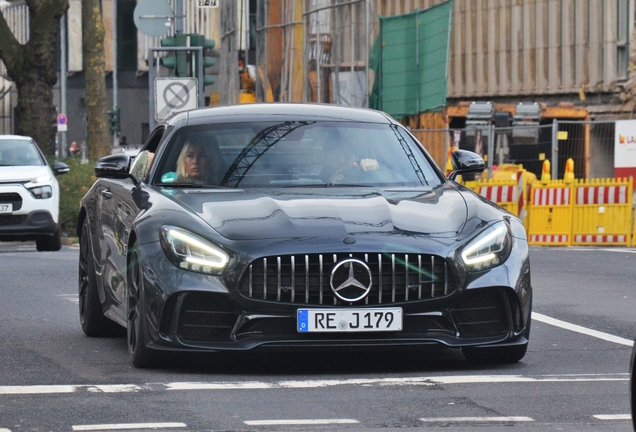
x: 141, y: 356
x: 92, y: 319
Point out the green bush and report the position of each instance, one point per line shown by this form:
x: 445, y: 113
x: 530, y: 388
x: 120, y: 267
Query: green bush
x: 73, y: 186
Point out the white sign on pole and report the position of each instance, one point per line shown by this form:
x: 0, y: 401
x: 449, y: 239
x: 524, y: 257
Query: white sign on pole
x: 173, y: 95
x: 625, y: 148
x: 208, y: 3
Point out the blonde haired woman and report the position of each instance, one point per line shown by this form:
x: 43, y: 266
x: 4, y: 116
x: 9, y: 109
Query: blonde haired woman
x: 200, y: 163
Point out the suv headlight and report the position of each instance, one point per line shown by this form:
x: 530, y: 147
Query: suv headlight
x: 41, y: 192
x: 192, y: 252
x: 488, y: 249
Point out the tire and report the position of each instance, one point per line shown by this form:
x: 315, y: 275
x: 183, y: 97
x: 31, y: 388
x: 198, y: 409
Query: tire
x: 49, y: 243
x: 632, y: 385
x: 498, y: 355
x: 92, y: 319
x: 140, y: 355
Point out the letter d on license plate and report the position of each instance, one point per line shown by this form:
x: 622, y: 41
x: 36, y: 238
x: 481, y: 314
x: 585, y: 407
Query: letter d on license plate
x: 349, y: 320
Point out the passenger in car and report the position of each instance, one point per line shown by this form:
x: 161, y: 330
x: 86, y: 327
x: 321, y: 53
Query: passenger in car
x: 343, y: 165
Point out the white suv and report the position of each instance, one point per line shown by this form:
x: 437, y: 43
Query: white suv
x: 29, y: 194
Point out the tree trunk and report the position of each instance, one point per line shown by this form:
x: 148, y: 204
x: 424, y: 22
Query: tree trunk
x: 32, y: 68
x: 95, y: 69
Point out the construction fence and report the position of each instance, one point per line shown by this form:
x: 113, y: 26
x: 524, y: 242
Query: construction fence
x: 576, y: 201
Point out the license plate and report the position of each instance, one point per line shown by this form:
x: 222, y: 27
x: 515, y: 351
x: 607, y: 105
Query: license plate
x: 6, y: 208
x: 349, y: 320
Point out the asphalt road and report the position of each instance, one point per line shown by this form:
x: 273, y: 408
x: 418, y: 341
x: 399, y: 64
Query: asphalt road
x: 574, y: 377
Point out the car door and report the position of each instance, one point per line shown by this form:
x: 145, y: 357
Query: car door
x: 127, y: 201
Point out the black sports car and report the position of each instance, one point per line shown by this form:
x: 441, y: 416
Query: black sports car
x: 298, y: 226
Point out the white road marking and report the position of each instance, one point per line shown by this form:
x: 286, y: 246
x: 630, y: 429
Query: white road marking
x: 584, y: 330
x: 299, y: 422
x: 37, y: 389
x: 128, y: 426
x: 476, y: 419
x: 307, y: 384
x: 5, y: 430
x: 73, y: 298
x: 613, y: 416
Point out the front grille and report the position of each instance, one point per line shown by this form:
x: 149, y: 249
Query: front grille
x: 205, y: 317
x: 482, y: 313
x: 11, y: 198
x: 6, y: 220
x: 305, y: 279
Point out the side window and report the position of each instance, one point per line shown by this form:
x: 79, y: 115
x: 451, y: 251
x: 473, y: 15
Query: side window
x: 141, y: 165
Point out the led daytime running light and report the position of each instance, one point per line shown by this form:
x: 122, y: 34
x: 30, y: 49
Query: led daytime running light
x: 223, y: 259
x: 477, y: 246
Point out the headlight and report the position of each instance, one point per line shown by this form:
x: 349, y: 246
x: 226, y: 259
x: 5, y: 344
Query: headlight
x: 191, y: 252
x: 489, y: 249
x: 41, y: 192
x: 41, y: 179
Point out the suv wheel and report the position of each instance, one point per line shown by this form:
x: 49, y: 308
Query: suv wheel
x: 50, y: 243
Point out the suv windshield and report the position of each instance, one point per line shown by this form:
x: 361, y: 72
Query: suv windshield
x: 295, y: 154
x: 16, y: 152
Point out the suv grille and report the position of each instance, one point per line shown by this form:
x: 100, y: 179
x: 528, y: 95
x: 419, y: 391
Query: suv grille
x: 11, y: 198
x: 305, y: 279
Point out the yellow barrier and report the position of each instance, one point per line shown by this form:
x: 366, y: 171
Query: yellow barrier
x: 602, y: 212
x: 550, y: 214
x: 509, y: 193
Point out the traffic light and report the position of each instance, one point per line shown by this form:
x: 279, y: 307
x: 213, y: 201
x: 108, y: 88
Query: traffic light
x: 206, y: 44
x: 177, y: 62
x: 113, y: 121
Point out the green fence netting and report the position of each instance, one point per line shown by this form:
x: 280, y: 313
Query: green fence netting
x: 410, y: 59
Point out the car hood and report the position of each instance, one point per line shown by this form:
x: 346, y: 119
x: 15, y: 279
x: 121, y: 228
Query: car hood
x: 22, y: 173
x: 242, y: 215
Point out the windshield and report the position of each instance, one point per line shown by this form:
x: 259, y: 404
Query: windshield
x: 294, y: 154
x: 17, y: 152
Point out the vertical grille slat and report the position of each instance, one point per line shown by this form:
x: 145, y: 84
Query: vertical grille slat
x: 432, y: 276
x: 406, y: 278
x: 278, y: 277
x: 419, y: 277
x: 306, y: 278
x: 321, y: 274
x: 264, y: 278
x: 393, y: 278
x: 411, y: 277
x: 293, y: 278
x: 380, y: 278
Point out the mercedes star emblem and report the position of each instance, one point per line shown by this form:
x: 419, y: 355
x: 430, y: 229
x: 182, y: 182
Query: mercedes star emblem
x: 351, y: 280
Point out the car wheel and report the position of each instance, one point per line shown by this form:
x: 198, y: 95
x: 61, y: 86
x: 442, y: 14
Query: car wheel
x: 50, y: 243
x: 92, y: 319
x: 497, y: 355
x: 141, y: 356
x: 632, y: 385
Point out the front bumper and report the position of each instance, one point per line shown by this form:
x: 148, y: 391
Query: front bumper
x: 193, y: 312
x: 27, y: 226
x: 31, y: 217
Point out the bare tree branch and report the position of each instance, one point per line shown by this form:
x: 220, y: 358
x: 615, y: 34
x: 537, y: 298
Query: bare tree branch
x: 9, y: 46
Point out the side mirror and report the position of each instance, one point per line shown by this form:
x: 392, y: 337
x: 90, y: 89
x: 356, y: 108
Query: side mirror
x: 113, y: 166
x: 60, y: 168
x: 465, y: 162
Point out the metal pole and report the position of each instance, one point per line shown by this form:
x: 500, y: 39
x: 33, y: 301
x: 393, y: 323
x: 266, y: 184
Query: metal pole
x: 305, y: 55
x: 63, y: 70
x: 491, y: 147
x: 180, y: 18
x: 368, y: 54
x: 151, y: 86
x: 554, y: 163
x: 115, y: 83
